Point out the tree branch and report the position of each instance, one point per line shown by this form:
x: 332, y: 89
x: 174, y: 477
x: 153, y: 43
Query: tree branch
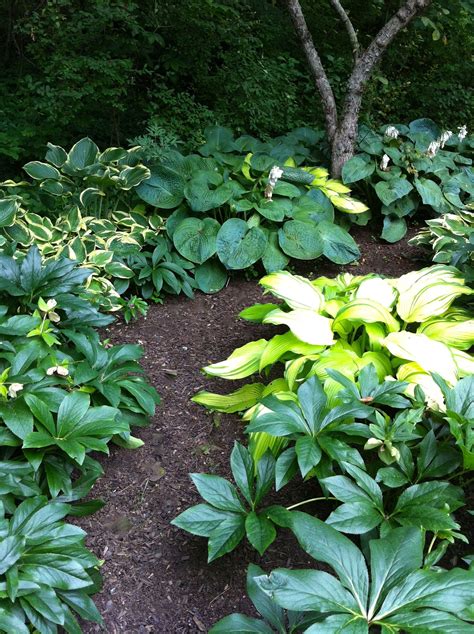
x: 316, y: 66
x: 402, y: 18
x: 349, y: 27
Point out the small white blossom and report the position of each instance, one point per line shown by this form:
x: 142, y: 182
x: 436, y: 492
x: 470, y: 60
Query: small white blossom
x: 275, y: 174
x: 384, y: 162
x: 462, y: 134
x: 57, y: 369
x: 14, y: 389
x: 391, y: 132
x: 445, y: 136
x: 433, y: 148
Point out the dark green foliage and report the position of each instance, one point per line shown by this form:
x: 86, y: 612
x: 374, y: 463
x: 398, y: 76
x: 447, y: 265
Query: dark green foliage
x: 104, y: 68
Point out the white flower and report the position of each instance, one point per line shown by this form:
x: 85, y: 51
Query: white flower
x: 14, y: 389
x: 384, y: 162
x: 433, y: 148
x: 445, y: 136
x: 57, y: 369
x: 391, y: 132
x: 275, y: 174
x: 462, y: 134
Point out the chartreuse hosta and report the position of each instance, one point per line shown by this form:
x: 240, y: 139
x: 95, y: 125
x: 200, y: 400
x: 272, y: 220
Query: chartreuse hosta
x: 408, y: 328
x: 389, y: 588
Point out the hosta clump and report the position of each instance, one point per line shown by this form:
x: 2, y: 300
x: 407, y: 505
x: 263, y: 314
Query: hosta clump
x: 407, y: 328
x: 401, y: 169
x: 391, y: 589
x: 240, y: 201
x: 452, y: 239
x: 46, y: 573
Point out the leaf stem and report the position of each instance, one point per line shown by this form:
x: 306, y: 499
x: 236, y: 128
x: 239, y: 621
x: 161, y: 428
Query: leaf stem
x: 289, y: 508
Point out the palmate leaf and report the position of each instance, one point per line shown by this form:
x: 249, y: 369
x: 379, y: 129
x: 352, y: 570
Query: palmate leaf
x: 400, y: 596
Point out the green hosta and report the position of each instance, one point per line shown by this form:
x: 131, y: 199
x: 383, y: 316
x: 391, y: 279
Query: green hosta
x: 46, y: 573
x: 404, y: 168
x: 407, y: 328
x: 227, y: 212
x: 400, y: 594
x: 452, y: 239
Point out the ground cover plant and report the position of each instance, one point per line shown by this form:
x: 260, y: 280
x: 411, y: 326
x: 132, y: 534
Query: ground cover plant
x: 63, y: 394
x: 366, y: 412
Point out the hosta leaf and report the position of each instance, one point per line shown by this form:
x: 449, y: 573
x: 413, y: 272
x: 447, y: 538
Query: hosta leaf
x: 83, y: 154
x: 391, y: 190
x: 429, y: 191
x: 306, y: 325
x: 210, y: 277
x: 195, y: 239
x: 357, y: 168
x: 238, y: 245
x: 40, y: 171
x: 163, y: 189
x: 8, y: 210
x: 430, y: 355
x: 241, y: 363
x: 300, y: 240
x: 394, y: 229
x: 366, y: 311
x: 294, y: 290
x: 238, y: 401
x: 338, y: 245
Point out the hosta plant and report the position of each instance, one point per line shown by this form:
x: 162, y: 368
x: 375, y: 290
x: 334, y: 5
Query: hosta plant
x: 451, y: 237
x: 390, y: 589
x: 240, y: 201
x: 407, y: 328
x: 401, y: 169
x: 46, y: 573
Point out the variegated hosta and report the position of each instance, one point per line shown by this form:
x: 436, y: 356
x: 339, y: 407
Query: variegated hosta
x: 408, y: 328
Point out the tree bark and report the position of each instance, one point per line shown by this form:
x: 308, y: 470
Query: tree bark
x: 342, y: 129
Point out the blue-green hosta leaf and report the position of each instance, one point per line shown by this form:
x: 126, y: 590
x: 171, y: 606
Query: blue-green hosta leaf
x: 163, y: 189
x: 393, y: 189
x: 82, y: 155
x: 210, y: 277
x: 238, y: 245
x: 273, y: 258
x: 357, y: 168
x: 300, y: 240
x: 430, y: 192
x: 394, y: 229
x: 41, y: 171
x: 9, y: 207
x: 195, y: 239
x: 338, y: 245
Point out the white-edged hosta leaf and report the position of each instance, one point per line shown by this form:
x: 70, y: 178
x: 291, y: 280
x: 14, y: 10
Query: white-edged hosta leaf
x: 296, y: 291
x: 365, y: 311
x: 241, y: 363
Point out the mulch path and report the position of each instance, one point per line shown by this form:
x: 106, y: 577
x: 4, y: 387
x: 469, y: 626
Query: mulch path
x: 156, y: 578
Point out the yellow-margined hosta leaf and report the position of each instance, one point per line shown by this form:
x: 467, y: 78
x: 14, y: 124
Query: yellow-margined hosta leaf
x: 413, y: 374
x: 242, y: 362
x: 296, y: 291
x: 360, y: 311
x: 257, y: 312
x: 376, y: 333
x: 333, y: 306
x: 464, y: 362
x: 261, y: 441
x: 377, y: 289
x: 379, y: 360
x: 238, y: 401
x: 278, y: 385
x: 293, y: 369
x: 430, y: 355
x: 429, y: 292
x: 346, y: 361
x: 307, y: 325
x: 281, y: 344
x: 459, y: 334
x: 345, y: 203
x: 337, y: 186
